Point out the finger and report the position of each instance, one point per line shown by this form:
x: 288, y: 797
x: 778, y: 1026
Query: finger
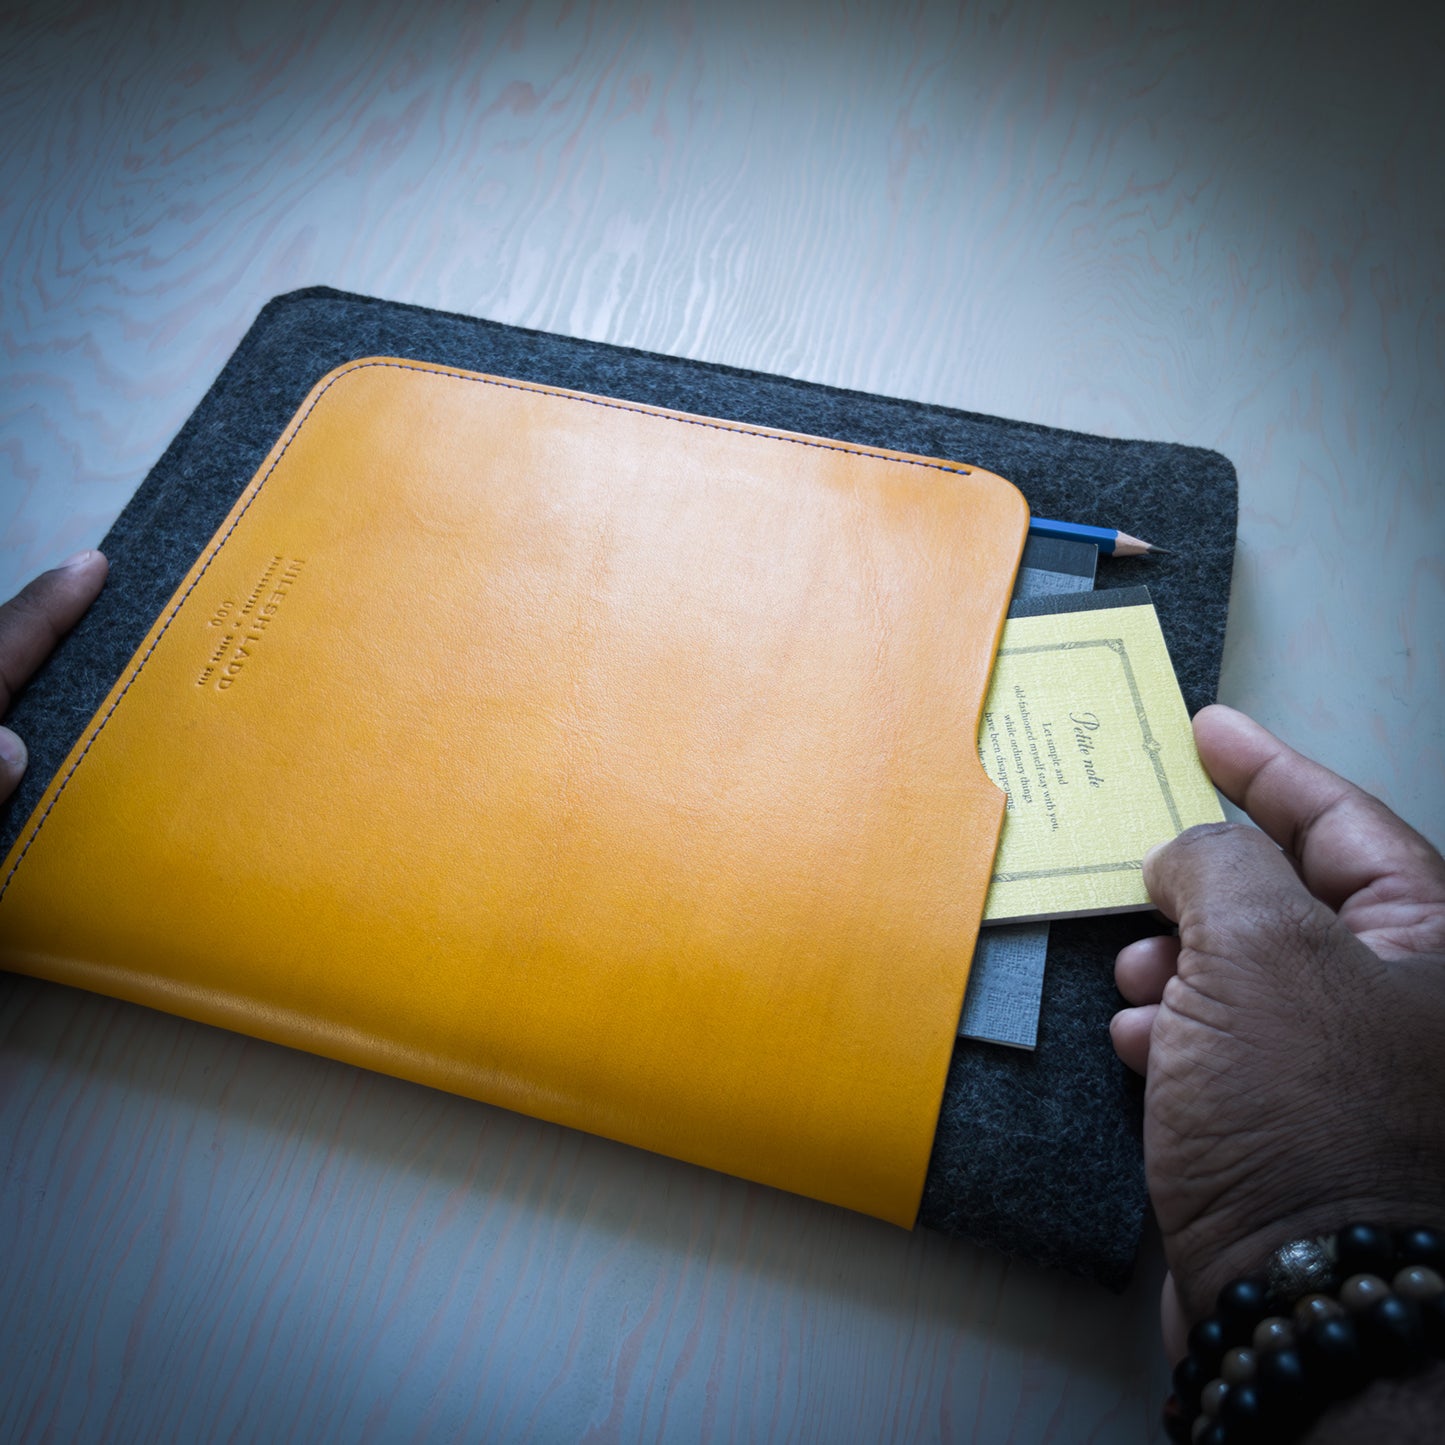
x: 1236, y: 897
x: 1344, y: 840
x: 33, y: 621
x: 12, y: 762
x: 1130, y: 1030
x: 1142, y: 969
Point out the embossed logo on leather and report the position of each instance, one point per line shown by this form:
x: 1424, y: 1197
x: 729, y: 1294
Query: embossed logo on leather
x: 239, y: 630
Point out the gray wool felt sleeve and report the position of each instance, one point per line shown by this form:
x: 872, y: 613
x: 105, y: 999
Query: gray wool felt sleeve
x: 1036, y: 1154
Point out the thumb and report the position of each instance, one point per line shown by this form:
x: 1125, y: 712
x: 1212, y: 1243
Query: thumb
x: 36, y: 618
x: 1237, y: 899
x: 12, y: 762
x: 1353, y: 852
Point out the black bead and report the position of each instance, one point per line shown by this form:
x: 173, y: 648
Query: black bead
x: 1207, y: 1343
x: 1241, y: 1413
x: 1421, y: 1246
x: 1331, y: 1352
x: 1432, y: 1321
x: 1178, y: 1423
x: 1190, y: 1377
x: 1217, y: 1434
x: 1283, y: 1388
x: 1242, y: 1304
x: 1365, y: 1249
x: 1392, y: 1336
x: 1280, y: 1373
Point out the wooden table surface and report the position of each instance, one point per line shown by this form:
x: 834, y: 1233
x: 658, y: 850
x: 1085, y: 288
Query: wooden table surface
x: 1218, y: 225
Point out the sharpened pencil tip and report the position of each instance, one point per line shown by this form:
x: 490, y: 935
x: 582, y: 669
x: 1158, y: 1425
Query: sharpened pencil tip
x: 1127, y: 546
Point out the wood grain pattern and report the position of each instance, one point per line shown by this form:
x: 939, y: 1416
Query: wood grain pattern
x: 216, y: 1238
x: 1218, y: 225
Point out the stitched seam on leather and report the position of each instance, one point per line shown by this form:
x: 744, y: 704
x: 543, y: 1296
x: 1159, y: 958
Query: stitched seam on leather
x: 738, y: 429
x: 534, y: 389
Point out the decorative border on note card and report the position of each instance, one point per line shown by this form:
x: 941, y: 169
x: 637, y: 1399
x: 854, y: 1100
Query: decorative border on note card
x: 1151, y: 745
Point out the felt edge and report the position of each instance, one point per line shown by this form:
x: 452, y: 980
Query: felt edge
x: 161, y: 490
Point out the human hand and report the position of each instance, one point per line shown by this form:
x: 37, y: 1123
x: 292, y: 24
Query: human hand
x: 31, y: 623
x: 1293, y: 1034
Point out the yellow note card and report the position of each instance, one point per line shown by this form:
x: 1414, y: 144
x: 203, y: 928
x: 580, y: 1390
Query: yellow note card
x: 1085, y: 730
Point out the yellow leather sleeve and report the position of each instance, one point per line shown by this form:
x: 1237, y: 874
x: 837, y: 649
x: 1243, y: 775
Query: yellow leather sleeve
x: 603, y: 762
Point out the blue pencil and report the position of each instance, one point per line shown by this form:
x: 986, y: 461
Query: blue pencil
x: 1106, y: 539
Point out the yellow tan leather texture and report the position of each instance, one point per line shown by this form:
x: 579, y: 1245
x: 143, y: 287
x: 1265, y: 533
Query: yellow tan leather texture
x: 602, y: 762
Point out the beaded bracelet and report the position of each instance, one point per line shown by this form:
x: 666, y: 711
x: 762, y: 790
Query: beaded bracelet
x: 1328, y: 1316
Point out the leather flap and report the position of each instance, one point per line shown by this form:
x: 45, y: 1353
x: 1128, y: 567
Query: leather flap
x: 602, y: 762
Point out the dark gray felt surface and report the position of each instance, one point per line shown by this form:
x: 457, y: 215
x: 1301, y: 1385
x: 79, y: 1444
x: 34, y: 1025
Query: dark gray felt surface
x: 1036, y: 1154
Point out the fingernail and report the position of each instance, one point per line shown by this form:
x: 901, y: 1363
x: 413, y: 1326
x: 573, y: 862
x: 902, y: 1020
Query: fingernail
x: 12, y: 751
x: 79, y: 560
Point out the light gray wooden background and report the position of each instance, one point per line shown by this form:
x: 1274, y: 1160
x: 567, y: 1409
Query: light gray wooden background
x: 1218, y: 224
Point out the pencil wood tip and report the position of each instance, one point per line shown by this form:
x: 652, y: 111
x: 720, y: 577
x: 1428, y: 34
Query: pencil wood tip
x: 1127, y: 546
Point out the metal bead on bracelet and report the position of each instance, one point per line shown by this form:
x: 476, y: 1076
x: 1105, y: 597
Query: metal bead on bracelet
x: 1325, y: 1318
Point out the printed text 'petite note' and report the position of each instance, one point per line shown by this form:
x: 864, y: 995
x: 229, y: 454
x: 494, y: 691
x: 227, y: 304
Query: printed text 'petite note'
x: 1085, y: 730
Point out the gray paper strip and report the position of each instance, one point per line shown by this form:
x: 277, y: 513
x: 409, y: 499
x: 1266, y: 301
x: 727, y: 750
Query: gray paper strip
x: 1006, y: 980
